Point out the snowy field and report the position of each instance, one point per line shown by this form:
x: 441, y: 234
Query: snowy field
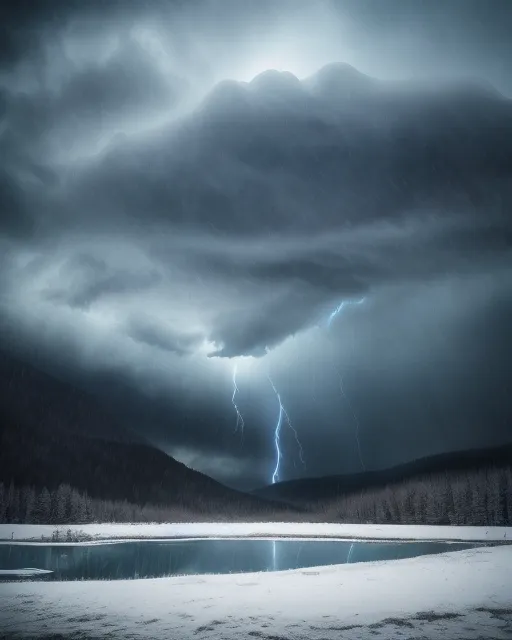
x: 258, y: 530
x: 462, y: 595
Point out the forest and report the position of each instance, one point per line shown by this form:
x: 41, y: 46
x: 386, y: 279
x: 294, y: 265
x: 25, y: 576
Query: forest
x: 481, y: 497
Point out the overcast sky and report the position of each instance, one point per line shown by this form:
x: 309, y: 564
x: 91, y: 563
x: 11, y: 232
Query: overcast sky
x: 173, y: 213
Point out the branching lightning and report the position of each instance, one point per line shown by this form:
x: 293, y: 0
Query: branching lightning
x: 340, y: 307
x: 296, y: 435
x: 239, y: 419
x: 283, y: 414
x: 277, y: 433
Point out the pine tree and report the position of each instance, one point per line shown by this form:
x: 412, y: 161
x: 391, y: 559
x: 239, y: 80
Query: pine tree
x: 78, y: 507
x: 27, y: 504
x: 62, y: 503
x: 42, y: 507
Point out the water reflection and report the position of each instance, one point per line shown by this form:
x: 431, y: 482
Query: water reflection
x: 145, y: 559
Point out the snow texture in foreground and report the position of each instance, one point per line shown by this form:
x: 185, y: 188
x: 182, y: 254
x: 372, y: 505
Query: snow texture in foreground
x: 457, y: 595
x: 266, y: 529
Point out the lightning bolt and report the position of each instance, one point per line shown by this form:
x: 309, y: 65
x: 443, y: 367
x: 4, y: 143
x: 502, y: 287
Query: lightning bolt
x: 239, y: 420
x: 277, y: 433
x: 340, y: 307
x: 296, y: 435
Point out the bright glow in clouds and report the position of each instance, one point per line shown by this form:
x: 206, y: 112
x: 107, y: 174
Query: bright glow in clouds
x: 280, y: 61
x: 309, y: 38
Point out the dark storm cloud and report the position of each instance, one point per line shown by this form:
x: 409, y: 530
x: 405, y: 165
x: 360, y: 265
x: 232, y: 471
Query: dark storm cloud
x: 90, y: 103
x: 127, y: 79
x: 262, y: 327
x: 89, y: 279
x: 146, y: 330
x: 412, y: 183
x: 145, y: 228
x: 252, y: 169
x: 15, y: 218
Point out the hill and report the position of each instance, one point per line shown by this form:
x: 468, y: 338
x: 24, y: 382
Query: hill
x: 321, y: 489
x: 33, y: 398
x: 52, y: 434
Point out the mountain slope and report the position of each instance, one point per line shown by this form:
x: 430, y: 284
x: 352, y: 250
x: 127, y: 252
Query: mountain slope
x: 310, y: 490
x: 52, y: 433
x: 112, y: 470
x: 35, y: 398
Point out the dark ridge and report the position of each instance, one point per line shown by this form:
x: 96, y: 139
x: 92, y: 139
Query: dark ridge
x: 53, y: 433
x: 309, y: 490
x: 33, y: 397
x: 137, y: 473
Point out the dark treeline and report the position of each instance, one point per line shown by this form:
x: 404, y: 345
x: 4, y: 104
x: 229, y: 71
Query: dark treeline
x: 481, y: 498
x: 67, y: 505
x: 27, y: 505
x: 118, y: 472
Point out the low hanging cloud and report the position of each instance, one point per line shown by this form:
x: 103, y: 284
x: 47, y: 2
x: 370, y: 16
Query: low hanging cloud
x: 90, y: 106
x: 286, y: 205
x: 144, y: 329
x: 90, y: 279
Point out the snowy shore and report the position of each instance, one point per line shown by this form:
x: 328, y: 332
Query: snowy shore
x: 34, y: 532
x: 457, y: 595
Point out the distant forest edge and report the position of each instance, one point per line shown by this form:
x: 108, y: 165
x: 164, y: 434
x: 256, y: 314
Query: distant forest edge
x: 480, y: 498
x: 65, y: 504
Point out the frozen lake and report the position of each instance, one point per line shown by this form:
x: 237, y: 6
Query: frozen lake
x: 153, y: 559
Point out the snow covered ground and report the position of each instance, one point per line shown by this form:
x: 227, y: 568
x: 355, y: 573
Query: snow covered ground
x: 267, y: 529
x: 458, y: 595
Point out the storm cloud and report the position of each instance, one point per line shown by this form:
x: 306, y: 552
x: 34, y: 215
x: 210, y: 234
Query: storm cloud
x: 168, y: 212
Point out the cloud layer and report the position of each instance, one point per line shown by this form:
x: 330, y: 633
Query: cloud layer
x: 159, y: 226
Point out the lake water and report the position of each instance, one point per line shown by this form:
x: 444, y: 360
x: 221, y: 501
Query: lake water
x: 152, y: 559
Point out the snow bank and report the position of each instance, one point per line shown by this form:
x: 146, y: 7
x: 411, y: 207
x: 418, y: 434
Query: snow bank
x: 463, y: 594
x: 24, y: 573
x: 262, y: 530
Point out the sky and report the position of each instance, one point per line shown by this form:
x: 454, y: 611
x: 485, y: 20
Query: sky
x: 229, y: 218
